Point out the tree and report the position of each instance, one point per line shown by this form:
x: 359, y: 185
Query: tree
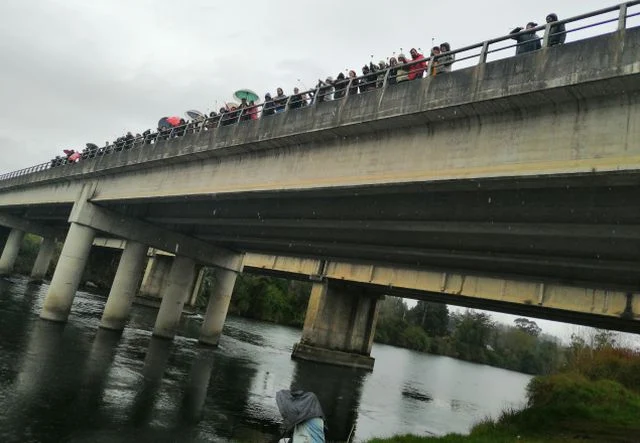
x: 528, y: 326
x: 433, y: 318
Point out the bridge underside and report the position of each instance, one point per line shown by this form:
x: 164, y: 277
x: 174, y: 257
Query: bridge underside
x: 577, y: 229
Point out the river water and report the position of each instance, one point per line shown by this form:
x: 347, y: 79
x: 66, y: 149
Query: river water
x: 77, y: 383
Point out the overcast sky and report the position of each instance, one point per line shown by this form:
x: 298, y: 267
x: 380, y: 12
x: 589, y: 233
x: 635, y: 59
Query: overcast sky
x: 77, y: 71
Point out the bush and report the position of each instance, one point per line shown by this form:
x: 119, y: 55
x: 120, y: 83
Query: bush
x: 609, y: 363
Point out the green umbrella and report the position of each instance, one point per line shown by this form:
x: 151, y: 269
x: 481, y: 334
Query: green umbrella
x: 247, y: 94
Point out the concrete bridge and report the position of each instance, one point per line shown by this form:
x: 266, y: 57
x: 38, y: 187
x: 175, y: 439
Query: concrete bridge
x: 508, y: 185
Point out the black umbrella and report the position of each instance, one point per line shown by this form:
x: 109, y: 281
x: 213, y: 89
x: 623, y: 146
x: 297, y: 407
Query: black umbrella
x: 163, y: 123
x: 92, y: 146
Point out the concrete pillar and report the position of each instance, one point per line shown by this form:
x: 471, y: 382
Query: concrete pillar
x: 197, y: 287
x: 68, y: 273
x: 124, y: 287
x: 11, y: 251
x: 176, y: 291
x: 217, y: 307
x: 339, y: 326
x: 155, y: 275
x: 43, y: 260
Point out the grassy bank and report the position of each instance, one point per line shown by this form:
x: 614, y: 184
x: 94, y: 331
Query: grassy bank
x: 595, y: 398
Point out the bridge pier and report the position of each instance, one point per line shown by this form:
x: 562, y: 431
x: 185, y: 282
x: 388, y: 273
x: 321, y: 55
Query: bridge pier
x: 43, y: 260
x: 124, y: 287
x: 217, y: 307
x: 66, y: 277
x: 177, y: 289
x: 11, y: 251
x: 339, y: 326
x: 155, y: 275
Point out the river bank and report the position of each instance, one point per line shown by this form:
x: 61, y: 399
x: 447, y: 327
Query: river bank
x: 595, y: 398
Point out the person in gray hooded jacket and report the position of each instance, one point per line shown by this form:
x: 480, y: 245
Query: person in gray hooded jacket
x: 527, y: 42
x: 557, y: 31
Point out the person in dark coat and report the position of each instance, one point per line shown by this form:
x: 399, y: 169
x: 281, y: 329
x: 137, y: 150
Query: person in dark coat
x: 557, y: 31
x: 340, y: 85
x: 353, y: 78
x: 527, y: 42
x: 280, y: 100
x: 393, y: 71
x: 269, y: 107
x: 370, y: 78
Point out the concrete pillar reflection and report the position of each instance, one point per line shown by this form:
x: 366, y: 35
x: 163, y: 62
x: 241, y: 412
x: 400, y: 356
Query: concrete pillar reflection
x: 155, y: 363
x: 43, y: 260
x: 217, y: 307
x: 174, y: 294
x: 124, y: 287
x: 196, y: 391
x: 339, y: 391
x: 68, y: 273
x: 11, y: 251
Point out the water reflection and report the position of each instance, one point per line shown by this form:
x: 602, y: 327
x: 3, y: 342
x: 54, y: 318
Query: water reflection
x: 338, y: 389
x: 155, y: 363
x: 195, y: 393
x: 78, y: 383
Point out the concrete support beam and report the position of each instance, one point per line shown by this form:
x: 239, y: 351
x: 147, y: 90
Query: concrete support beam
x: 68, y: 273
x: 125, y: 285
x: 339, y: 326
x: 43, y: 260
x: 26, y: 225
x: 96, y: 217
x: 11, y: 251
x: 176, y: 291
x: 217, y: 307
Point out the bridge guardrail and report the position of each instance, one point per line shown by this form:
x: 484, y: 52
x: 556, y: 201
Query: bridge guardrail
x: 620, y: 17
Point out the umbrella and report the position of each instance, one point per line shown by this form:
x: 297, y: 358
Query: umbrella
x: 230, y: 104
x: 247, y: 94
x: 195, y: 115
x: 68, y: 151
x: 163, y: 123
x: 92, y: 146
x: 173, y: 121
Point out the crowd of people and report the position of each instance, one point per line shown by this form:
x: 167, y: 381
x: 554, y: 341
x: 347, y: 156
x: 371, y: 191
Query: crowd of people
x: 394, y: 70
x: 529, y: 41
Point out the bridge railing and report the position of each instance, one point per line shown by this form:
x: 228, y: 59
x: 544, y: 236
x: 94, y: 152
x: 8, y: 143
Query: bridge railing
x: 610, y: 19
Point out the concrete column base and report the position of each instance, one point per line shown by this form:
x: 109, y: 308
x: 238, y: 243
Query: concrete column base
x: 43, y: 260
x: 125, y: 285
x: 302, y: 351
x: 176, y: 291
x: 68, y: 273
x: 11, y: 251
x: 339, y: 325
x: 217, y: 307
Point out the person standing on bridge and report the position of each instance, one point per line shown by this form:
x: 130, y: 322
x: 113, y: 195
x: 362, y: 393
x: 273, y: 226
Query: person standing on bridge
x: 416, y: 70
x: 557, y: 31
x: 446, y: 59
x: 527, y: 42
x: 280, y: 100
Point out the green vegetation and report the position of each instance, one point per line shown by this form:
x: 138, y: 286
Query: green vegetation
x: 263, y: 298
x: 28, y: 253
x: 595, y: 396
x: 471, y: 336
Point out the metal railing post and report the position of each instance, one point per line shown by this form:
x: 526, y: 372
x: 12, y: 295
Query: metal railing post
x: 547, y: 35
x: 622, y: 19
x: 385, y: 80
x: 484, y: 52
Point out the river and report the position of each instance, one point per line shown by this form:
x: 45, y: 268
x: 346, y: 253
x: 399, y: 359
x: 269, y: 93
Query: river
x: 78, y: 383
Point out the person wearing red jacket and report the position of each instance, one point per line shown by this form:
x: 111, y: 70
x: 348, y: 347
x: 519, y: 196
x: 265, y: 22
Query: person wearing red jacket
x: 417, y: 70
